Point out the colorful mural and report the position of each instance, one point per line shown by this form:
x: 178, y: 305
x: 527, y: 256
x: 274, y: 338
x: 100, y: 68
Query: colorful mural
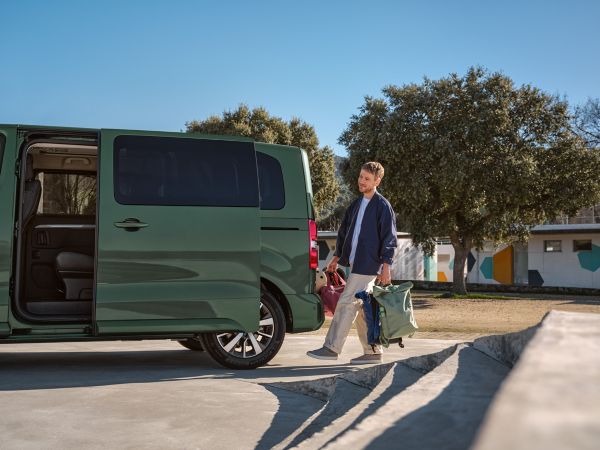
x: 499, y: 266
x: 590, y: 260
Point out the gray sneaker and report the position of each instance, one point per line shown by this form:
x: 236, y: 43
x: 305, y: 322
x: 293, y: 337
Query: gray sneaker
x: 367, y: 359
x: 323, y: 353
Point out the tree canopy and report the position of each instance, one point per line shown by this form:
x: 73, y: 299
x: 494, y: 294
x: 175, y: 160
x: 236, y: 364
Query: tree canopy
x: 473, y: 158
x: 261, y: 126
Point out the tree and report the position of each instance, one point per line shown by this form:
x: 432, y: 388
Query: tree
x: 473, y: 158
x: 586, y: 121
x: 261, y: 126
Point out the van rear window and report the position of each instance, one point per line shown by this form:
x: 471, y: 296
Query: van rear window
x: 270, y: 179
x: 181, y: 171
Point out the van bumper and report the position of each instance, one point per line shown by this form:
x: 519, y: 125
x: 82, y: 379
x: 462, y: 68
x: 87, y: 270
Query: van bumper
x: 307, y: 312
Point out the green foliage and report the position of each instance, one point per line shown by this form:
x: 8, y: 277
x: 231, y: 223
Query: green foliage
x: 473, y: 158
x: 261, y: 126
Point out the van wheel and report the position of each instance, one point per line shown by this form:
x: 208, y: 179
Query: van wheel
x: 192, y: 344
x: 240, y: 350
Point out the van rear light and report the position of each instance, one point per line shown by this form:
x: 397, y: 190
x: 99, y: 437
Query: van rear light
x: 313, y: 251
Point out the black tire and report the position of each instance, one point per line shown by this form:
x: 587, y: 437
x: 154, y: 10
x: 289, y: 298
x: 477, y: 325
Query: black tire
x: 242, y: 352
x: 192, y: 344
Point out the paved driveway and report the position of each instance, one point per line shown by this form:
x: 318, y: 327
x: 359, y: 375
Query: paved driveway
x: 156, y: 394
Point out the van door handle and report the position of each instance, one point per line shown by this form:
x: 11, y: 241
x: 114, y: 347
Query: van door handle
x: 130, y: 224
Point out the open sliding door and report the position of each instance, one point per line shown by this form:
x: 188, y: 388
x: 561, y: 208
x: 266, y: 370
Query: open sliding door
x: 178, y: 234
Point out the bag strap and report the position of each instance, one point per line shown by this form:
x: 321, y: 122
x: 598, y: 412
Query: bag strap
x: 334, y: 278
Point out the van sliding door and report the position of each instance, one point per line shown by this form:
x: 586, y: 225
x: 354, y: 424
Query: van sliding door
x: 7, y: 198
x: 178, y: 234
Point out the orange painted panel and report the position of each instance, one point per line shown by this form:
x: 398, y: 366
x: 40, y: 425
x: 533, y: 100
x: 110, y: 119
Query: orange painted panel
x: 442, y: 276
x: 503, y: 266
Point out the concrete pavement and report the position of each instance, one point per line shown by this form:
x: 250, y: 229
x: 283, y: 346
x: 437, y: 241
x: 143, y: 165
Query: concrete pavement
x: 157, y: 394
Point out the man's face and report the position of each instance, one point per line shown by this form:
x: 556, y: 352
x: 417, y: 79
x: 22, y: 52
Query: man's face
x: 367, y: 182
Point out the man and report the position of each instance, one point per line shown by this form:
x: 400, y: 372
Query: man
x: 366, y: 242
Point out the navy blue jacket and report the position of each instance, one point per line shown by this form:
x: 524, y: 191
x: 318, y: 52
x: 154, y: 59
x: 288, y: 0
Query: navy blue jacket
x: 377, y: 240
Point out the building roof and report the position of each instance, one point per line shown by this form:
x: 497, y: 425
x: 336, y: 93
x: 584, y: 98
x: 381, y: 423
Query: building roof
x: 563, y: 229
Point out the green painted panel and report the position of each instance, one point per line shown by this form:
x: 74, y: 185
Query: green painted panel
x: 7, y: 198
x: 190, y: 262
x: 487, y: 267
x: 430, y: 264
x: 590, y: 260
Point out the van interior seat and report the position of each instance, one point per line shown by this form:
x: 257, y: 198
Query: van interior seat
x: 76, y: 270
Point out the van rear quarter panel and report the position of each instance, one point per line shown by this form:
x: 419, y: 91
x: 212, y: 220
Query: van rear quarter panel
x: 284, y: 232
x: 7, y: 192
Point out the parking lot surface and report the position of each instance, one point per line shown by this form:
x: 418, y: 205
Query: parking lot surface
x: 157, y: 394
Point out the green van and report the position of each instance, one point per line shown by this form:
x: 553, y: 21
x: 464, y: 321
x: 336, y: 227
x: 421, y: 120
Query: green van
x: 130, y: 235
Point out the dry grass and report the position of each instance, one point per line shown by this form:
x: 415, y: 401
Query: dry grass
x: 468, y: 318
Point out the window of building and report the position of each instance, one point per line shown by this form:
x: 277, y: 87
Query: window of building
x: 270, y: 180
x: 552, y: 246
x: 582, y: 245
x: 67, y: 193
x: 181, y: 171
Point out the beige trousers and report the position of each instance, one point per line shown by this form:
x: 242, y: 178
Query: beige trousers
x: 347, y: 310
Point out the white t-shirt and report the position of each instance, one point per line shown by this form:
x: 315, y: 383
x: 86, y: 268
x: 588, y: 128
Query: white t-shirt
x: 359, y: 218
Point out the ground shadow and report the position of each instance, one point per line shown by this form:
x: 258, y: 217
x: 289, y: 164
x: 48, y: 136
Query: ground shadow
x: 294, y: 409
x: 452, y: 419
x: 421, y: 303
x: 54, y: 370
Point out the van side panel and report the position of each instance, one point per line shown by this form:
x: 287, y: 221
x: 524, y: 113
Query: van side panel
x: 7, y: 194
x: 285, y: 241
x: 189, y: 268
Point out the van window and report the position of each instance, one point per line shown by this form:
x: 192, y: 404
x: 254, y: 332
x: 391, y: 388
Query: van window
x: 179, y: 171
x: 270, y: 180
x: 67, y: 193
x: 2, y: 142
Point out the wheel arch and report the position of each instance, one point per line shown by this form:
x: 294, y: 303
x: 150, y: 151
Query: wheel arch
x: 282, y: 300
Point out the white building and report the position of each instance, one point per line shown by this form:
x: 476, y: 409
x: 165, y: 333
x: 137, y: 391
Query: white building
x: 556, y: 255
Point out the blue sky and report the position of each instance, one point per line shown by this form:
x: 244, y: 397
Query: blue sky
x: 157, y: 64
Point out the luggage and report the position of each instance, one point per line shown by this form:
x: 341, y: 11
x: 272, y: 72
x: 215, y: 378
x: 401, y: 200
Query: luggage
x: 388, y: 314
x: 396, y: 312
x: 330, y: 294
x: 320, y: 281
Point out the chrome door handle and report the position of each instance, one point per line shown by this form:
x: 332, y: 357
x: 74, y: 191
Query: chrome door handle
x: 130, y: 224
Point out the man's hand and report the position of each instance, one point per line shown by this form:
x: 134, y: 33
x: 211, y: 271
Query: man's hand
x: 332, y: 266
x: 386, y: 276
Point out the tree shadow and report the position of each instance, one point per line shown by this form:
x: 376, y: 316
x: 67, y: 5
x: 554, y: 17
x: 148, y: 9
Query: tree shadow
x: 421, y: 303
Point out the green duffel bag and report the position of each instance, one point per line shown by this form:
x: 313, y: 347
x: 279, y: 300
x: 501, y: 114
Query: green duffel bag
x: 395, y: 312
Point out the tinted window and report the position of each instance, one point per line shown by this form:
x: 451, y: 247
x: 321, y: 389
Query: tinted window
x: 272, y: 192
x: 2, y: 142
x: 180, y: 171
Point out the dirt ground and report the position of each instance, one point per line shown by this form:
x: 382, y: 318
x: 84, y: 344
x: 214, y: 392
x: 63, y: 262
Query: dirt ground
x: 443, y: 318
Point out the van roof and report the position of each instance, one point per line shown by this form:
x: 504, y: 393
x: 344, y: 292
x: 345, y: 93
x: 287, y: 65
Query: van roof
x: 96, y: 130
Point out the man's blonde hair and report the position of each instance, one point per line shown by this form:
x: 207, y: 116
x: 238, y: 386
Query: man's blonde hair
x: 374, y: 168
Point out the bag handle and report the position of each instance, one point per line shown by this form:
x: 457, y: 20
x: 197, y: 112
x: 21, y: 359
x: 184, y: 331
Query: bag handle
x: 334, y: 278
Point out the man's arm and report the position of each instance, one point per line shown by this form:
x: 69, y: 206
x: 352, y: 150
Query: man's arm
x: 341, y: 235
x: 388, y: 243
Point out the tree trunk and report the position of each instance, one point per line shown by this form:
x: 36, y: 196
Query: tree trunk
x: 462, y: 247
